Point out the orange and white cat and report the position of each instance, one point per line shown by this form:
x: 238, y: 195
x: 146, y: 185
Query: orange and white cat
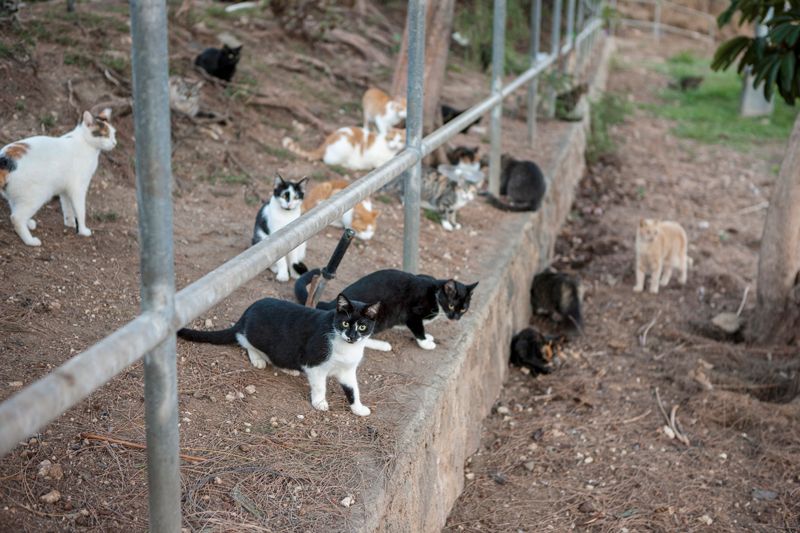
x: 35, y: 169
x: 361, y: 218
x: 353, y: 148
x: 660, y: 247
x: 380, y: 108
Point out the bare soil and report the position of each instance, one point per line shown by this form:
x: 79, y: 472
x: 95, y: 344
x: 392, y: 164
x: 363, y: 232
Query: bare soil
x: 584, y: 448
x: 272, y: 462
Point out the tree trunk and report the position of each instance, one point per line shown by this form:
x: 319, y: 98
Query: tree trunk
x: 438, y: 27
x: 777, y: 316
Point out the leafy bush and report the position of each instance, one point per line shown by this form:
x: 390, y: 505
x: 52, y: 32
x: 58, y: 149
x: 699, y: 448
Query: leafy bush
x: 611, y: 109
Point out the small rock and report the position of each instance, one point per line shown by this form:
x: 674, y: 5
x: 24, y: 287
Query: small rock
x: 498, y: 478
x: 728, y: 322
x: 587, y: 507
x: 240, y: 395
x: 313, y: 434
x: 764, y: 494
x: 503, y: 410
x: 217, y: 481
x: 538, y: 434
x: 54, y: 305
x: 707, y: 520
x: 668, y: 432
x: 56, y: 472
x: 44, y: 468
x: 723, y: 456
x: 588, y: 460
x: 15, y: 384
x: 244, y: 447
x: 250, y: 389
x: 470, y: 476
x: 301, y: 417
x: 84, y: 512
x: 230, y: 396
x: 51, y: 497
x: 209, y: 323
x: 529, y: 466
x: 703, y: 224
x: 347, y: 501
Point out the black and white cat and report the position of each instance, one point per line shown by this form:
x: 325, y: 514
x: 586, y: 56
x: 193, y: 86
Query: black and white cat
x: 405, y: 298
x: 283, y: 207
x: 220, y: 63
x: 35, y: 169
x: 523, y: 185
x: 295, y: 338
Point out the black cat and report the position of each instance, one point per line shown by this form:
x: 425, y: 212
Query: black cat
x: 534, y: 351
x: 463, y: 155
x: 405, y: 299
x: 557, y: 295
x: 523, y: 185
x: 295, y: 338
x: 219, y: 63
x: 449, y: 113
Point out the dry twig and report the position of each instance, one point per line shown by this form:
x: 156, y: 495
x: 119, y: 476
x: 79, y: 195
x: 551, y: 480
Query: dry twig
x: 646, y: 328
x: 671, y: 419
x: 136, y: 446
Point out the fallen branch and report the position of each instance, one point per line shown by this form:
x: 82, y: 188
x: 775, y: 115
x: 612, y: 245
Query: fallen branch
x: 671, y: 419
x: 135, y: 446
x: 744, y: 300
x: 636, y: 418
x: 646, y: 328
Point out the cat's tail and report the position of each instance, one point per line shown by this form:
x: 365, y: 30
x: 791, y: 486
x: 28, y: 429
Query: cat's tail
x: 570, y: 305
x: 301, y: 289
x: 222, y: 336
x: 291, y: 145
x: 300, y: 267
x: 504, y: 206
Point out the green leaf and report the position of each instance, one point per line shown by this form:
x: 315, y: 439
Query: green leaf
x: 728, y: 51
x: 787, y: 72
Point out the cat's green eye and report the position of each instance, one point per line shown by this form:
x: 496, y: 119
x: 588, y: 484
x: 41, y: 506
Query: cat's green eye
x: 451, y: 306
x: 346, y: 324
x: 362, y: 327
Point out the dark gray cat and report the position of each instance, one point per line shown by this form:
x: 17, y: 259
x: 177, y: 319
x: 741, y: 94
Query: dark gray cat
x: 522, y: 186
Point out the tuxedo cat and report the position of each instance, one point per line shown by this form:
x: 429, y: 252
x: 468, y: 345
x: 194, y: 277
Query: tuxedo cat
x: 557, y: 295
x: 283, y: 207
x: 523, y: 185
x: 297, y: 339
x: 405, y: 299
x: 353, y: 148
x: 220, y: 63
x: 35, y: 169
x: 534, y: 351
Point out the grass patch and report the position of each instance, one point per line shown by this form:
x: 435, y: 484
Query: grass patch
x: 433, y: 216
x: 279, y: 152
x: 48, y: 121
x: 384, y: 199
x: 105, y: 216
x: 76, y: 59
x: 319, y: 175
x: 342, y: 171
x: 118, y: 63
x: 710, y: 113
x: 611, y: 109
x: 227, y: 178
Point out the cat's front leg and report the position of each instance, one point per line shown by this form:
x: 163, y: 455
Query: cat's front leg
x: 78, y: 200
x: 446, y: 224
x: 655, y: 278
x: 282, y: 272
x: 296, y: 256
x: 316, y: 379
x: 375, y: 344
x: 67, y: 211
x: 424, y: 340
x: 349, y: 382
x: 639, y: 287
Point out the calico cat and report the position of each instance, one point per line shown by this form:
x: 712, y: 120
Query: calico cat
x: 35, y: 169
x: 534, y: 351
x: 405, y: 299
x: 522, y: 183
x: 450, y: 113
x: 660, y: 247
x: 566, y: 102
x: 283, y: 207
x: 558, y: 296
x: 184, y: 95
x: 295, y: 338
x: 220, y: 63
x: 380, y: 108
x: 353, y: 148
x: 465, y: 157
x: 361, y: 218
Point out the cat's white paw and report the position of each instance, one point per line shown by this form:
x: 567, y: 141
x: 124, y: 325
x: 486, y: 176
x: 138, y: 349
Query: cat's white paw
x: 256, y: 360
x: 31, y: 224
x: 360, y: 409
x: 637, y: 288
x: 458, y: 226
x: 33, y: 241
x: 428, y: 343
x: 86, y: 232
x: 447, y: 225
x: 381, y: 346
x: 654, y: 289
x: 320, y: 405
x: 282, y: 276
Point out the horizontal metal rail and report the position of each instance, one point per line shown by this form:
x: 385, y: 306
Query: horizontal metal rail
x: 649, y: 24
x: 44, y: 400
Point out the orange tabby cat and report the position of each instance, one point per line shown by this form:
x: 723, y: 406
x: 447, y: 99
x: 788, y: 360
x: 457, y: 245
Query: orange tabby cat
x: 660, y: 247
x: 382, y: 109
x: 354, y: 148
x: 361, y: 218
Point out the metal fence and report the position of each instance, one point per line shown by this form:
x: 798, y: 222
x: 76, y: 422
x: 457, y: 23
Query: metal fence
x: 657, y: 25
x: 152, y: 334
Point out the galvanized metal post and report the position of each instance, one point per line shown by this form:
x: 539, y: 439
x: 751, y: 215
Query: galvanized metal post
x: 555, y: 48
x: 536, y: 34
x: 154, y: 198
x: 657, y: 21
x: 413, y: 176
x: 496, y: 128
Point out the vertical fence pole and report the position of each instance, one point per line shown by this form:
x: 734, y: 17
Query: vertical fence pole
x: 414, y: 96
x: 536, y: 34
x: 154, y: 199
x: 555, y: 49
x: 498, y: 60
x: 657, y: 21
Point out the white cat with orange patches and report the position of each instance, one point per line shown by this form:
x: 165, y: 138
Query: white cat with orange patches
x: 380, y: 108
x: 35, y: 169
x: 660, y: 247
x: 361, y: 218
x: 353, y: 148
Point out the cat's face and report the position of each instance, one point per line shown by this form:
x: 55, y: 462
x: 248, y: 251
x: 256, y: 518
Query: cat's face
x: 648, y: 229
x: 289, y: 194
x: 364, y: 222
x: 398, y: 105
x: 454, y: 298
x: 98, y: 131
x: 231, y: 54
x: 466, y: 157
x: 396, y: 139
x: 354, y: 321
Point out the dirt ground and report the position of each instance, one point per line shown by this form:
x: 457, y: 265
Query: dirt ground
x: 270, y: 458
x: 584, y: 448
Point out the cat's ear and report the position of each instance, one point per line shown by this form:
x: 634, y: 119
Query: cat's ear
x: 105, y: 114
x: 470, y: 288
x: 279, y: 180
x: 301, y: 185
x: 238, y: 48
x: 343, y: 305
x: 450, y: 288
x: 371, y: 312
x: 88, y: 119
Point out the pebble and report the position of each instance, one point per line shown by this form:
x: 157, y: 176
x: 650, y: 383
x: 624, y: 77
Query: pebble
x: 209, y: 323
x: 588, y: 460
x: 707, y: 520
x: 300, y: 417
x: 313, y: 434
x: 250, y: 389
x: 347, y: 501
x: 230, y: 396
x: 15, y: 384
x: 217, y: 481
x: 668, y: 432
x: 469, y: 475
x: 529, y: 466
x: 503, y: 410
x: 764, y: 494
x: 51, y: 497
